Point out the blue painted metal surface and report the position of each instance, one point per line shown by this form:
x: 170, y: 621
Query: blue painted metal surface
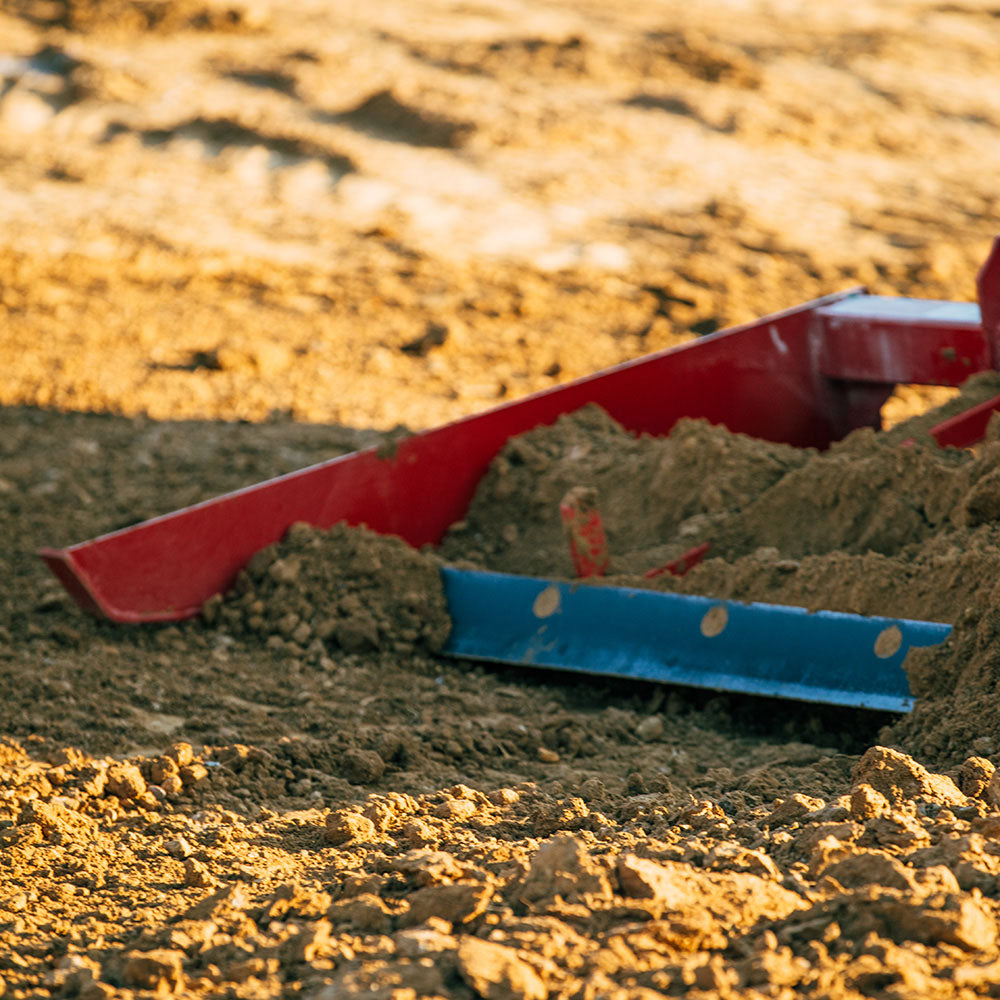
x: 762, y: 649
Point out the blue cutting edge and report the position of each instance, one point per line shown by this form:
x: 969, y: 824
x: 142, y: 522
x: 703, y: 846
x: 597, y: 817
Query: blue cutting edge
x: 763, y: 649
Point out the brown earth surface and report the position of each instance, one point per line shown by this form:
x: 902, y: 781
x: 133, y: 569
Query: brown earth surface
x: 238, y: 238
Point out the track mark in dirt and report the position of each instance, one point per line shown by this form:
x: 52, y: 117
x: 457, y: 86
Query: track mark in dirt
x: 573, y: 56
x: 219, y: 134
x: 264, y: 79
x: 966, y: 10
x: 671, y: 104
x: 387, y: 117
x: 698, y: 56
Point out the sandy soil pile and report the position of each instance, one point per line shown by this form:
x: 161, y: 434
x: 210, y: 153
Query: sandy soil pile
x: 346, y: 590
x: 240, y: 237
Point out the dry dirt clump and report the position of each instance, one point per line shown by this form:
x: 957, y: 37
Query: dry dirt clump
x: 507, y: 891
x: 345, y: 589
x: 650, y: 490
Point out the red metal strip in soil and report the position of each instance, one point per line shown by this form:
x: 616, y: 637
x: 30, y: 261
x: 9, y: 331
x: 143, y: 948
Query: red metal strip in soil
x: 588, y: 544
x: 680, y: 565
x: 965, y: 429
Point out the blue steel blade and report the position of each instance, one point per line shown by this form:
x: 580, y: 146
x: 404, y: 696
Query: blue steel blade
x: 762, y: 649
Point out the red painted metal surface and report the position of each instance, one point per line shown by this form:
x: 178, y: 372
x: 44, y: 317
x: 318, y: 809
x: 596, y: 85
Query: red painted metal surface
x: 588, y: 543
x: 758, y: 379
x: 887, y: 341
x: 966, y: 428
x: 680, y: 565
x: 988, y: 288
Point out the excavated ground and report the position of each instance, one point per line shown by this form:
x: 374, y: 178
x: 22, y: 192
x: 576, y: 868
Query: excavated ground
x: 240, y: 237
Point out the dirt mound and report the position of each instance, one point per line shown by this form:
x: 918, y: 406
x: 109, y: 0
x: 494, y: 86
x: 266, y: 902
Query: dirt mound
x: 346, y: 589
x: 872, y: 526
x: 651, y: 491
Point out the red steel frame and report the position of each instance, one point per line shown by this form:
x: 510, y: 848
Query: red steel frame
x: 806, y: 376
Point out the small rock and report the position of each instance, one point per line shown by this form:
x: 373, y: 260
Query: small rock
x: 159, y: 970
x: 960, y: 921
x: 643, y: 879
x: 178, y: 848
x: 293, y: 899
x: 125, y: 781
x: 827, y: 852
x: 428, y: 868
x: 191, y: 774
x: 221, y: 905
x: 897, y: 829
x: 287, y: 623
x: 160, y: 768
x: 564, y: 814
x: 458, y: 903
x: 456, y: 810
x: 563, y: 867
x: 417, y: 833
x: 792, y: 809
x: 496, y: 972
x: 593, y: 790
x: 871, y: 868
x: 366, y: 913
x: 547, y: 756
x: 181, y: 754
x: 197, y: 875
x: 867, y: 803
x: 418, y: 942
x: 362, y: 767
x: 900, y: 778
x: 358, y: 633
x: 975, y: 776
x: 343, y: 827
x: 172, y: 784
x: 503, y: 796
x: 284, y: 570
x: 650, y: 729
x: 386, y: 810
x: 730, y: 856
x: 992, y: 791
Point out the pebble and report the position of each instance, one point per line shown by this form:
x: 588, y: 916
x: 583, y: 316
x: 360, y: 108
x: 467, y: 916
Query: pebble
x: 650, y: 729
x: 343, y: 827
x: 197, y: 875
x: 178, y: 848
x: 362, y: 767
x: 125, y: 781
x: 495, y: 972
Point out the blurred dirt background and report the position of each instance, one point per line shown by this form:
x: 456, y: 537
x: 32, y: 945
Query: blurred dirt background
x: 237, y: 238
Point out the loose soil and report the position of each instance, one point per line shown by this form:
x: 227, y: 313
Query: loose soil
x: 239, y: 238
